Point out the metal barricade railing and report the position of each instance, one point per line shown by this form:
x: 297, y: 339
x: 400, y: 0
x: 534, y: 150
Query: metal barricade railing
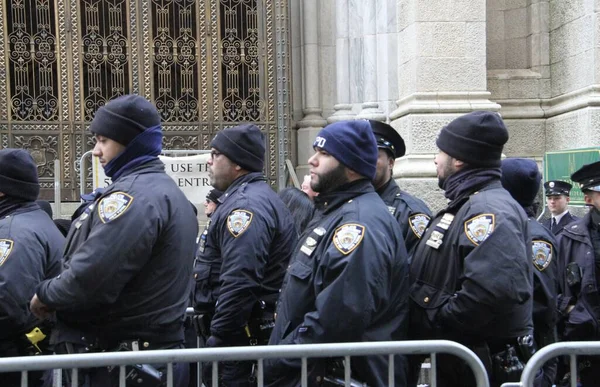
x: 257, y: 353
x: 571, y: 348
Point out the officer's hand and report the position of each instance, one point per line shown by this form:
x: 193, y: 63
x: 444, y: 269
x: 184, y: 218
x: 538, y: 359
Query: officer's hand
x: 39, y: 309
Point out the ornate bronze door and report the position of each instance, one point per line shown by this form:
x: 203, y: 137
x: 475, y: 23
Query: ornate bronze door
x: 206, y: 64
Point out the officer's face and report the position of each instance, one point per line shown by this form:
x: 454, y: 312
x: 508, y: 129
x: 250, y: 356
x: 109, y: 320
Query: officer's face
x: 385, y: 164
x: 209, y: 207
x: 106, y: 149
x: 592, y: 198
x: 445, y: 167
x: 326, y: 173
x: 221, y: 170
x: 557, y: 204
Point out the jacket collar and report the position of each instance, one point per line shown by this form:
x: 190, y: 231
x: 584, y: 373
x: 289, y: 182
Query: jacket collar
x: 240, y: 182
x: 332, y: 200
x: 579, y: 230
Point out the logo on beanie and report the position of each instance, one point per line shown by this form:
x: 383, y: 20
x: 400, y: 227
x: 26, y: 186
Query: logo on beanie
x: 6, y: 246
x: 319, y: 142
x: 542, y: 254
x: 347, y: 237
x: 238, y: 222
x: 113, y: 206
x: 479, y: 228
x: 418, y: 224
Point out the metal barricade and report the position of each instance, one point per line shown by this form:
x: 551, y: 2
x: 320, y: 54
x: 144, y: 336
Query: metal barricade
x: 256, y: 353
x: 571, y: 348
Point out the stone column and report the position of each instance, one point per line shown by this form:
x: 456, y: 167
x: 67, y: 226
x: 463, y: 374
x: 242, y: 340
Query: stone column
x: 343, y: 107
x: 370, y: 107
x: 313, y: 120
x: 441, y: 75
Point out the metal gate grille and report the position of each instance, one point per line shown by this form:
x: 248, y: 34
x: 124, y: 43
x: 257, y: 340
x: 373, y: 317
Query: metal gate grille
x: 206, y: 64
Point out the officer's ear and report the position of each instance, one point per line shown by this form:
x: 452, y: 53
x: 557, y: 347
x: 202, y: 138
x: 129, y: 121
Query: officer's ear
x: 2, y: 194
x: 568, y: 198
x: 238, y: 168
x: 458, y: 164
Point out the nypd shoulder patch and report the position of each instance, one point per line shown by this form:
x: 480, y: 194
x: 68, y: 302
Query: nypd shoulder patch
x: 418, y: 224
x: 542, y: 254
x: 6, y: 246
x: 113, y: 206
x: 239, y: 221
x: 346, y: 238
x: 480, y: 227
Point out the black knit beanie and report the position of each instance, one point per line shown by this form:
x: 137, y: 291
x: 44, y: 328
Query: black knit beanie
x: 522, y: 179
x: 242, y: 144
x: 18, y: 174
x: 214, y: 195
x: 123, y: 118
x: 476, y: 138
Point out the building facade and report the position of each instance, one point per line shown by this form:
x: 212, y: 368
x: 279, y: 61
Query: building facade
x: 293, y: 66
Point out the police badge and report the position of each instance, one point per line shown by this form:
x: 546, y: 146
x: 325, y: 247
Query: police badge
x: 6, y: 246
x: 542, y: 254
x: 238, y: 222
x: 479, y: 228
x: 113, y: 206
x: 347, y: 237
x: 418, y: 224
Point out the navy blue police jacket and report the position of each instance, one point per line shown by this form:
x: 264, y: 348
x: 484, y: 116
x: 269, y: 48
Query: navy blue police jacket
x: 545, y: 290
x: 242, y: 257
x: 471, y: 275
x: 127, y: 262
x: 412, y: 214
x: 564, y: 221
x: 347, y: 282
x: 30, y: 252
x: 582, y: 321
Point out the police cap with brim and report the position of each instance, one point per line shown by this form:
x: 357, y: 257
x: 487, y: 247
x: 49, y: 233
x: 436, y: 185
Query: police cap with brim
x: 557, y: 187
x: 388, y: 139
x: 588, y: 177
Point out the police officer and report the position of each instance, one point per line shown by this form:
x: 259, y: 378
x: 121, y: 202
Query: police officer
x: 522, y: 179
x: 30, y: 252
x: 240, y: 268
x: 212, y: 202
x: 412, y: 214
x: 127, y: 264
x: 557, y: 198
x: 471, y: 273
x: 348, y: 278
x: 579, y: 273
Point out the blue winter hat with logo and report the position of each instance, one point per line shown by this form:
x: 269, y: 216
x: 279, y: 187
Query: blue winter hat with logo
x: 352, y: 143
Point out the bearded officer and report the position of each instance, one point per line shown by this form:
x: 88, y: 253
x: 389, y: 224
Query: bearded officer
x: 412, y: 214
x: 348, y: 279
x: 126, y: 268
x: 471, y: 274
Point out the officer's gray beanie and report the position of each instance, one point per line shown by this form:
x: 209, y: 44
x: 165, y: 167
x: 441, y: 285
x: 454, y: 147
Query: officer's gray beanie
x: 18, y: 174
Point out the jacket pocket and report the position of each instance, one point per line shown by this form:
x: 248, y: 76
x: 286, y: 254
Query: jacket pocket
x: 580, y: 325
x: 426, y: 301
x: 300, y: 270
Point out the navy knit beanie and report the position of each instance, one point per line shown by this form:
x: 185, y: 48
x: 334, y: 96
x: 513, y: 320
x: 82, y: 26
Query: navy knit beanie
x: 18, y: 174
x: 123, y: 118
x: 476, y: 138
x: 522, y: 179
x: 242, y: 144
x: 352, y: 143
